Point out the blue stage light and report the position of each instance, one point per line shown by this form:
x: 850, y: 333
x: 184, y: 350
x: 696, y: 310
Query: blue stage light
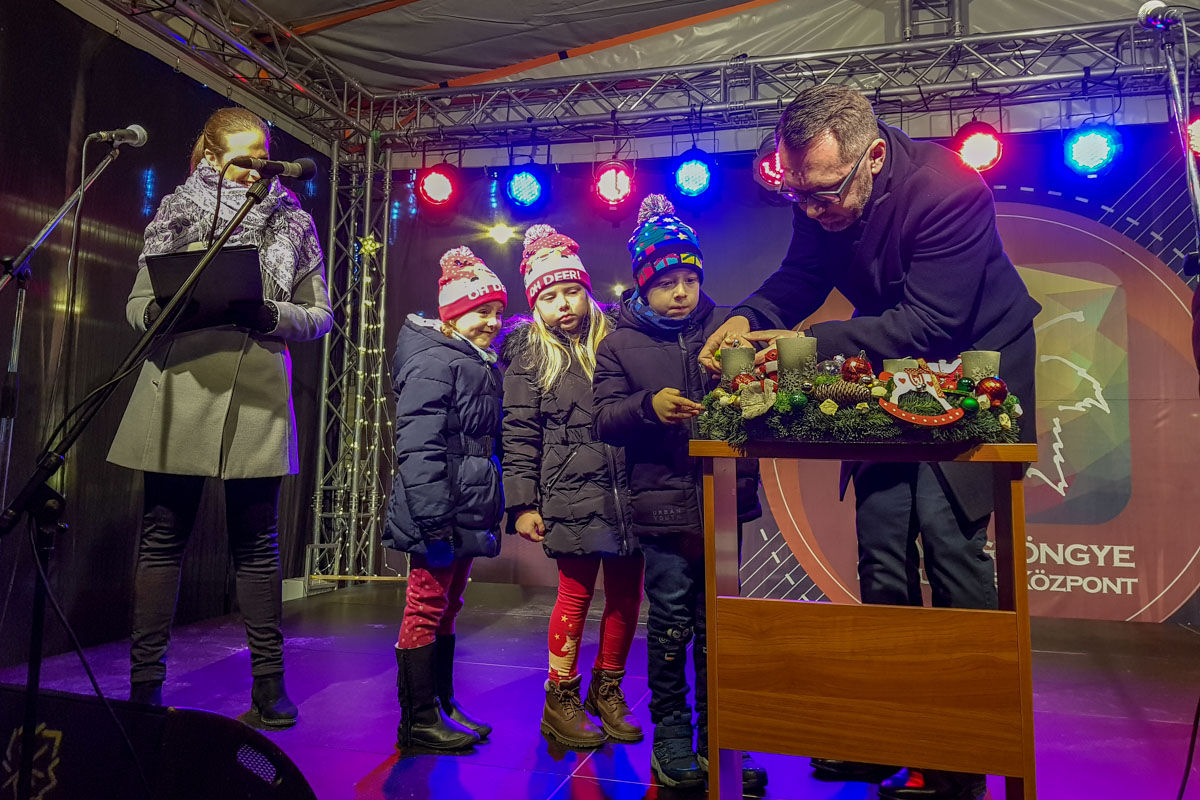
x: 1091, y: 149
x: 693, y: 175
x: 524, y: 187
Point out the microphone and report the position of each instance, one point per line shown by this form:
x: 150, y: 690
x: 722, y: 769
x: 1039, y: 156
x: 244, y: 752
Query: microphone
x: 134, y: 136
x: 1157, y: 15
x: 302, y: 168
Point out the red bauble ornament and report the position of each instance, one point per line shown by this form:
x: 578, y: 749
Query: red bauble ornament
x: 745, y: 379
x: 855, y: 367
x: 995, y: 389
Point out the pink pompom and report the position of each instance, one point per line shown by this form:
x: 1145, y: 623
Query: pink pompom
x: 458, y: 257
x: 536, y: 232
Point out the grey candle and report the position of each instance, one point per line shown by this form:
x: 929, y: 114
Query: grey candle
x: 894, y: 365
x: 796, y: 353
x: 736, y: 361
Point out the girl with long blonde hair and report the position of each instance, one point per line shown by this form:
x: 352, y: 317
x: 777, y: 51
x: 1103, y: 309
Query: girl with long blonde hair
x: 568, y: 491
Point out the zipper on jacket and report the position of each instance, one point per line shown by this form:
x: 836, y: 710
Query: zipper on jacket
x: 617, y: 509
x: 561, y: 470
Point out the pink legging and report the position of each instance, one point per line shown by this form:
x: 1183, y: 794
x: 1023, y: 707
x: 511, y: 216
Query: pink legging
x: 622, y: 599
x: 432, y: 601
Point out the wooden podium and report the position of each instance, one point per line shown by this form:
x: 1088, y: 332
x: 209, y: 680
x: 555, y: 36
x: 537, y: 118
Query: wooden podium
x: 936, y: 688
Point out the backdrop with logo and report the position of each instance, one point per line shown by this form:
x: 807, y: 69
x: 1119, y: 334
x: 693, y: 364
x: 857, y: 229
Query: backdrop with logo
x: 1110, y: 501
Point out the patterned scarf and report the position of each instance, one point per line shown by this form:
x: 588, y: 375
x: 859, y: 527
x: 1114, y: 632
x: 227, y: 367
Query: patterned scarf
x: 283, y: 232
x: 648, y: 315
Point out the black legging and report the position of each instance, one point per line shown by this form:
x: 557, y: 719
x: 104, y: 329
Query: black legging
x: 252, y: 516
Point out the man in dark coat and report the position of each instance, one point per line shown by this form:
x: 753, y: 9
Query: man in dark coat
x: 908, y: 234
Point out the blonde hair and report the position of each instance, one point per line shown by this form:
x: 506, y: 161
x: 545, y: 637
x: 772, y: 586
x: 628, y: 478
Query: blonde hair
x: 550, y: 356
x: 220, y: 125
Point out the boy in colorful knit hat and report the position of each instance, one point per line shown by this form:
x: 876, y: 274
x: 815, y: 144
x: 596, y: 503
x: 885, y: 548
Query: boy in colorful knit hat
x: 648, y: 387
x: 446, y: 501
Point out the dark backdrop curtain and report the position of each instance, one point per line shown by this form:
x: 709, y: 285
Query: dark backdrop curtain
x: 61, y: 78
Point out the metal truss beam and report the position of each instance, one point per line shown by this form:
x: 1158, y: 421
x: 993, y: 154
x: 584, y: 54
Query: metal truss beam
x: 236, y: 42
x: 353, y: 424
x: 1115, y: 58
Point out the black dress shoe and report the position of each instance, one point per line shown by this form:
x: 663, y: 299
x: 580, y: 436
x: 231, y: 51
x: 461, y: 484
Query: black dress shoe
x: 932, y: 784
x: 828, y: 769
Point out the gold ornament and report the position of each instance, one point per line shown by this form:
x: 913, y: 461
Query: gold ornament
x: 368, y: 245
x: 1005, y: 422
x: 862, y: 408
x: 828, y: 407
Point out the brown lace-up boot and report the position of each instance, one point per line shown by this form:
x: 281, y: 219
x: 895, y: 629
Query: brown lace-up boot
x: 564, y: 719
x: 606, y: 700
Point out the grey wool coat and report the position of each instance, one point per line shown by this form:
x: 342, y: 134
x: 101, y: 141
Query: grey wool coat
x: 218, y: 401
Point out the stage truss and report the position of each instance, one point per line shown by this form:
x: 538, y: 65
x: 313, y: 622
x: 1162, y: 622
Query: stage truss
x: 240, y: 51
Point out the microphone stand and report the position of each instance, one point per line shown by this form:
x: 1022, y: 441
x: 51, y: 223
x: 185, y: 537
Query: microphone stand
x: 18, y: 268
x: 1179, y: 108
x: 46, y: 506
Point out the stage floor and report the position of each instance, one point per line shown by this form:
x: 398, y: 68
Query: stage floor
x: 1114, y: 703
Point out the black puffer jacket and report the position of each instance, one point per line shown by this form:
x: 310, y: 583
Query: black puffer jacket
x: 447, y: 483
x: 633, y: 363
x: 552, y: 463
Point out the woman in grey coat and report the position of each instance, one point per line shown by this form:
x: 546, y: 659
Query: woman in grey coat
x: 217, y: 402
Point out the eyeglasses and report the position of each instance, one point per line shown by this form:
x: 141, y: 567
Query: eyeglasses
x: 827, y: 197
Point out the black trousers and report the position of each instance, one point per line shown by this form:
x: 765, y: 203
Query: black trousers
x: 677, y: 617
x: 896, y: 503
x: 252, y: 516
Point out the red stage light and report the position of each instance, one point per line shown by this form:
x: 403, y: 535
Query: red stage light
x: 769, y: 169
x: 1194, y: 136
x: 614, y: 182
x: 767, y: 172
x: 438, y: 184
x: 978, y: 145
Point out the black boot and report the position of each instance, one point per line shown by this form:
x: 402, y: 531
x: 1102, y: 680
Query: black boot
x: 829, y: 769
x: 673, y: 760
x: 421, y: 722
x: 270, y: 701
x: 146, y: 692
x: 754, y: 775
x: 933, y: 784
x: 443, y: 676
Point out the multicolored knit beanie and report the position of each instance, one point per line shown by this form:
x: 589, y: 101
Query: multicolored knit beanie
x: 466, y: 283
x: 662, y: 241
x: 549, y: 258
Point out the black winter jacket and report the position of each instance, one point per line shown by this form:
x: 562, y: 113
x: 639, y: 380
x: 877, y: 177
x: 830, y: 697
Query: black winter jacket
x: 447, y: 482
x: 633, y: 363
x: 553, y: 464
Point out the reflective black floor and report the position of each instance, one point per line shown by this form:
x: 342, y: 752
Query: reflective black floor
x: 1114, y: 703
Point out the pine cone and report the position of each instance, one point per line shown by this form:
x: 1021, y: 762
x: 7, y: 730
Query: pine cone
x: 844, y: 393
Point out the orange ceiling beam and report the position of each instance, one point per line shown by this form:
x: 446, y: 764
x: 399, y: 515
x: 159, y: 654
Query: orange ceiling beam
x: 513, y: 69
x: 333, y: 20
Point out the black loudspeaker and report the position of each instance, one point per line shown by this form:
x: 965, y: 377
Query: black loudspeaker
x: 187, y: 754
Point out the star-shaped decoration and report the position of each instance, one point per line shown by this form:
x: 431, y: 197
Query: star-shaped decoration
x: 564, y: 617
x: 557, y: 637
x: 368, y: 245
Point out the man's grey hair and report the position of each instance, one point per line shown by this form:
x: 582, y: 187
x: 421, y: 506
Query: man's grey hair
x: 836, y: 110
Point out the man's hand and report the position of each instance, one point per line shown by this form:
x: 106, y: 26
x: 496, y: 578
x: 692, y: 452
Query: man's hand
x: 531, y: 526
x: 673, y: 408
x: 734, y: 327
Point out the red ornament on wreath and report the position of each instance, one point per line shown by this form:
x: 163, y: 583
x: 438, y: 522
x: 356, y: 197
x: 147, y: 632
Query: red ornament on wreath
x: 745, y: 379
x: 856, y: 367
x: 994, y: 389
x: 769, y: 368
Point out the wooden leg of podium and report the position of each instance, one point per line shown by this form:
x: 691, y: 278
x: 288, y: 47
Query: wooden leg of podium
x: 721, y: 579
x: 1013, y: 594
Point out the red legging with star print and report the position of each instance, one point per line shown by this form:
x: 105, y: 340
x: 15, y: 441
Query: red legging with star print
x: 622, y: 599
x: 432, y: 601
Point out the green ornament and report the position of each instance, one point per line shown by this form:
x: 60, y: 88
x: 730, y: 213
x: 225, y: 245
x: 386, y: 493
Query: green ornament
x: 799, y: 399
x: 966, y: 385
x: 969, y: 404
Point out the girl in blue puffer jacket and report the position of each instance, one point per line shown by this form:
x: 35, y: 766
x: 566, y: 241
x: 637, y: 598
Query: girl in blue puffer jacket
x: 446, y: 501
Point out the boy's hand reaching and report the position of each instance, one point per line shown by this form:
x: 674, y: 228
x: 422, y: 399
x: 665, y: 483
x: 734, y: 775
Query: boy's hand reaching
x: 673, y: 408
